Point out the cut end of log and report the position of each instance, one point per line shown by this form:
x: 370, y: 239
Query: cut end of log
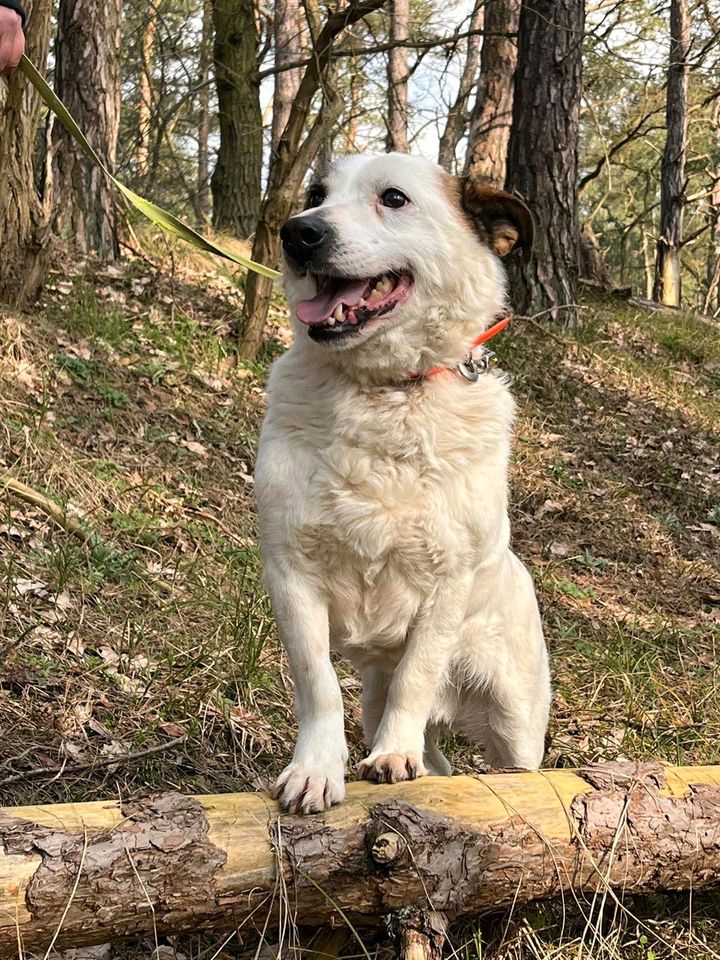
x: 387, y: 848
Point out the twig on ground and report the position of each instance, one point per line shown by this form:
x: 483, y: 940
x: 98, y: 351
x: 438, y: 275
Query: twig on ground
x: 64, y: 519
x: 54, y: 511
x: 73, y: 768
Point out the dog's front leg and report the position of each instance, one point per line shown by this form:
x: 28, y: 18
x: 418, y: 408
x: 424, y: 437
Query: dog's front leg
x: 397, y: 749
x: 315, y: 779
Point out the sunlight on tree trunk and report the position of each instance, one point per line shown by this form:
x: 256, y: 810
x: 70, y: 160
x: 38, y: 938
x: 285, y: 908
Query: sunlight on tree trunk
x: 491, y: 117
x: 668, y: 279
x: 398, y: 73
x: 288, y: 49
x: 87, y: 79
x: 142, y: 154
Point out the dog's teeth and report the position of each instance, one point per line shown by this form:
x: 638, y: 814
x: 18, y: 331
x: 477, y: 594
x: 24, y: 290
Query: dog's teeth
x: 331, y: 321
x: 338, y: 315
x: 385, y: 285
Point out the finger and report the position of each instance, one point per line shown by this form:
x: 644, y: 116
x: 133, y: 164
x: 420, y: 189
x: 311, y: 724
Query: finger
x: 5, y: 52
x: 17, y: 49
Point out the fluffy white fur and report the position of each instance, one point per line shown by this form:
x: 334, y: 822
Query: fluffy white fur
x: 383, y: 505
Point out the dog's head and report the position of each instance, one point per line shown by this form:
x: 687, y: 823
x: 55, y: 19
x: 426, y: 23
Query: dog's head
x: 390, y: 249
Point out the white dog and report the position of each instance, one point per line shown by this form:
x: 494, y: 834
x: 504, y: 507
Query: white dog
x: 382, y: 480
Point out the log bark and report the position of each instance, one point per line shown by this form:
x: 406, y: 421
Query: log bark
x: 491, y: 116
x: 543, y: 154
x: 24, y: 229
x: 668, y: 270
x: 89, y: 873
x: 87, y: 80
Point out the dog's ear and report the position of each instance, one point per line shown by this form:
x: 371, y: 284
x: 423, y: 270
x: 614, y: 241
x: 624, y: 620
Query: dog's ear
x: 503, y: 222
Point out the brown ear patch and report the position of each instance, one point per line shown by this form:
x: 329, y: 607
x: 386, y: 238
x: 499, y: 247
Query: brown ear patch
x: 502, y: 220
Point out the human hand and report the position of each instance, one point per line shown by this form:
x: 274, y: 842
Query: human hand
x: 12, y: 40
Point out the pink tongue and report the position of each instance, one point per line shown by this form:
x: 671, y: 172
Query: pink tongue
x: 322, y: 306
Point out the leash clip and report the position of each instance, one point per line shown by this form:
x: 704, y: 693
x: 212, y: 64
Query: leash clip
x: 470, y: 368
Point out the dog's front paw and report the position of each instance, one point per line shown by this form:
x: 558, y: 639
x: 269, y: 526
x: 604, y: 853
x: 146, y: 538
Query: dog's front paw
x: 302, y: 789
x: 391, y: 767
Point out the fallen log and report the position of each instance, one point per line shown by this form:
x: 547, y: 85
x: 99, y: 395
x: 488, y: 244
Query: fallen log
x: 88, y: 873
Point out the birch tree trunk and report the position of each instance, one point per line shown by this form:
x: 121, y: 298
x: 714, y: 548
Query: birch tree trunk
x: 236, y: 180
x: 203, y: 155
x: 668, y: 271
x: 23, y: 219
x: 87, y: 79
x: 491, y: 117
x: 457, y: 119
x: 97, y: 872
x: 543, y: 153
x: 398, y: 74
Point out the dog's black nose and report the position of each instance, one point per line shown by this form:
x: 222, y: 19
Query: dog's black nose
x: 301, y: 236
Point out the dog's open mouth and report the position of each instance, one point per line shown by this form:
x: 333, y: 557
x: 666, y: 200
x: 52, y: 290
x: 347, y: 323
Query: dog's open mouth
x: 343, y: 305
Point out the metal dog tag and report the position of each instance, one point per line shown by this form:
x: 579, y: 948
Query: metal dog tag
x: 468, y: 368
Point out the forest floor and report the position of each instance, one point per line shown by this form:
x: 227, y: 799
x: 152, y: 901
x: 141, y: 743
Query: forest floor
x: 120, y: 399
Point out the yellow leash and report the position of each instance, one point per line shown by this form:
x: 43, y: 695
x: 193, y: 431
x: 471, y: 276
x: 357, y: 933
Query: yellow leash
x: 166, y: 221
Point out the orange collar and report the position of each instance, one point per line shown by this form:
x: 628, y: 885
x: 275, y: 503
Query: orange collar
x: 469, y: 367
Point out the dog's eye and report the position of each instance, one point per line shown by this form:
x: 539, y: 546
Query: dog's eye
x: 314, y: 198
x: 392, y: 197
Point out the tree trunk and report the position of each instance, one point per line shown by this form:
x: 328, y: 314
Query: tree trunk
x: 23, y: 220
x: 236, y: 181
x: 592, y: 265
x: 668, y: 270
x: 351, y: 127
x: 142, y: 152
x: 398, y: 74
x: 203, y: 156
x: 97, y: 872
x: 491, y: 116
x: 457, y: 118
x: 711, y: 303
x: 648, y: 265
x: 87, y: 79
x: 288, y: 49
x: 543, y: 153
x: 295, y: 153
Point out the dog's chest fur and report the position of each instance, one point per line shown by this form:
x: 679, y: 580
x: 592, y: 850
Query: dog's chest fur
x: 383, y: 491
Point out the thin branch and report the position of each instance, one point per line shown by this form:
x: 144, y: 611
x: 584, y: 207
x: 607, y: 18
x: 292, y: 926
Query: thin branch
x: 72, y: 768
x: 357, y: 51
